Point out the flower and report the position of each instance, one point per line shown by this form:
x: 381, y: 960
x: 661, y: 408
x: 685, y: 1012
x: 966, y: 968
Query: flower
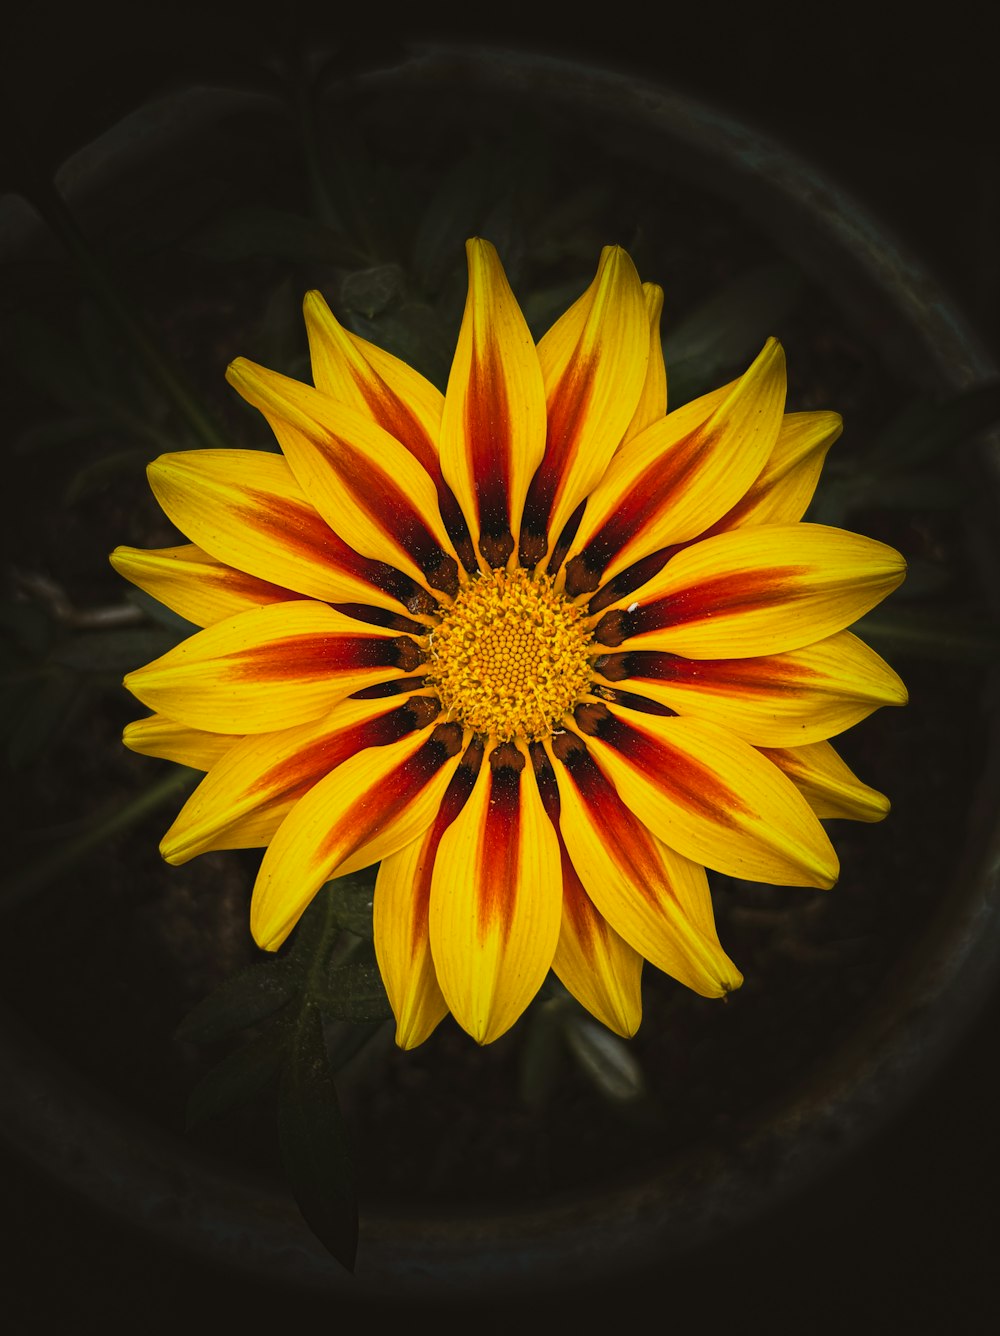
x: 539, y: 648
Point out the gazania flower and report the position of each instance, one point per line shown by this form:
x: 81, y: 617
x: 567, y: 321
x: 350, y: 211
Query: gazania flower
x: 541, y: 649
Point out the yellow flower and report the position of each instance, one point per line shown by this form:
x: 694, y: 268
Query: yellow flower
x: 540, y: 648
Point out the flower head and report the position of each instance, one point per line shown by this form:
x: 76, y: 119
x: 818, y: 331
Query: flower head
x: 539, y: 648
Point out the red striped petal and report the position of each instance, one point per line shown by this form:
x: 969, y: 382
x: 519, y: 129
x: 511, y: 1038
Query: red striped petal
x: 246, y: 509
x: 395, y: 397
x: 493, y: 428
x: 371, y: 806
x: 270, y: 668
x: 496, y: 898
x: 774, y: 700
x: 367, y: 486
x: 754, y: 591
x: 266, y: 774
x: 656, y: 899
x: 707, y: 794
x: 593, y: 362
x: 195, y: 585
x: 676, y: 478
x: 401, y: 916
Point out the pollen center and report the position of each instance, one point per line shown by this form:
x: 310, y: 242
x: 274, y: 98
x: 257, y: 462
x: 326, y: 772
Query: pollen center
x: 510, y: 656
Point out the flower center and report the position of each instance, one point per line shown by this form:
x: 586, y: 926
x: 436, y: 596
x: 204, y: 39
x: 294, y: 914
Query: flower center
x: 510, y: 656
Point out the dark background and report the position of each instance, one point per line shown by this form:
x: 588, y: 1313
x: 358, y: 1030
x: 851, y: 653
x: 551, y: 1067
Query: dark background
x: 904, y: 1237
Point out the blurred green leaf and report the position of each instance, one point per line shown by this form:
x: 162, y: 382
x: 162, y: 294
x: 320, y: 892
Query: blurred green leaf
x: 453, y: 215
x: 351, y: 902
x: 161, y: 614
x: 352, y: 992
x: 24, y: 881
x: 97, y: 472
x: 250, y: 996
x: 239, y: 1077
x: 29, y: 627
x: 369, y: 291
x: 605, y: 1060
x: 543, y: 307
x: 722, y: 336
x: 541, y: 1057
x: 930, y: 635
x: 843, y: 495
x: 50, y: 362
x: 925, y: 429
x: 41, y: 715
x: 567, y: 231
x: 412, y: 332
x: 315, y: 1148
x: 54, y: 432
x: 923, y: 578
x: 256, y: 230
x: 117, y: 651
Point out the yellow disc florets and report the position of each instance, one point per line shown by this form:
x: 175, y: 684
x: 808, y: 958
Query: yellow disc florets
x: 510, y: 656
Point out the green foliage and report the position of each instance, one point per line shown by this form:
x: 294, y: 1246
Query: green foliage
x: 560, y: 1034
x: 309, y: 1010
x: 722, y: 335
x: 315, y: 1147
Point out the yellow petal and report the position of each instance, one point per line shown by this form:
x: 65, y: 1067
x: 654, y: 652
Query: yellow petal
x: 397, y: 398
x: 828, y: 783
x: 493, y: 427
x: 593, y: 362
x: 496, y: 898
x: 656, y: 899
x: 594, y: 963
x: 270, y: 668
x: 400, y: 400
x: 779, y: 700
x: 709, y: 795
x: 652, y: 403
x: 401, y: 917
x: 371, y: 806
x: 782, y: 491
x: 676, y: 478
x: 368, y: 487
x: 268, y: 772
x: 755, y: 591
x: 193, y: 584
x: 402, y: 943
x: 245, y: 508
x: 158, y: 736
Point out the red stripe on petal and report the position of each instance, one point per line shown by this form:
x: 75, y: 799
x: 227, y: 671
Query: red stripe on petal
x: 314, y: 656
x: 303, y: 528
x: 251, y: 588
x: 628, y: 840
x: 375, y: 808
x: 498, y: 886
x: 764, y: 676
x: 393, y: 416
x: 300, y: 657
x: 722, y: 593
x: 689, y: 783
x: 455, y: 797
x: 659, y: 483
x: 567, y: 412
x: 381, y: 495
x: 587, y: 925
x: 295, y: 775
x: 489, y: 434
